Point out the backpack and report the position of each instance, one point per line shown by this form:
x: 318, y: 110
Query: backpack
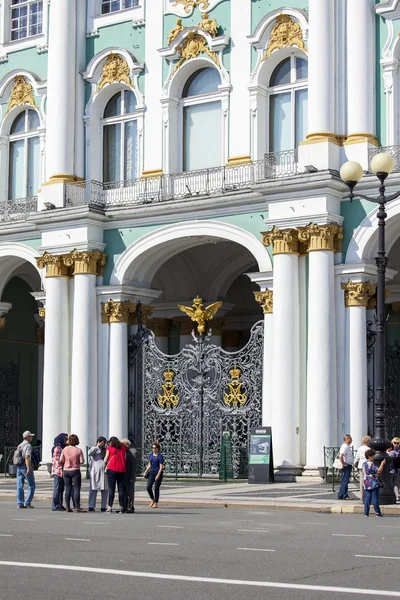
x: 18, y: 459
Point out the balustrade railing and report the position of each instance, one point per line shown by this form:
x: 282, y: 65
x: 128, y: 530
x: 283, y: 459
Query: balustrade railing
x: 178, y: 186
x: 394, y: 151
x: 17, y: 210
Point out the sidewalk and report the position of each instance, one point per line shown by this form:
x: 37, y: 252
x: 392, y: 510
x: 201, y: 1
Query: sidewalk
x: 308, y: 495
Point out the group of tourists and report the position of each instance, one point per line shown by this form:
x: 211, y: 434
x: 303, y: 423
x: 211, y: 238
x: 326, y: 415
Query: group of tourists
x: 112, y: 464
x: 370, y: 481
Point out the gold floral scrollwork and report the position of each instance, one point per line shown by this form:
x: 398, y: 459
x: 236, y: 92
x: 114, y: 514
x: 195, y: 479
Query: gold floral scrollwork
x: 208, y: 25
x: 236, y: 395
x: 21, y: 93
x: 42, y: 312
x: 2, y: 322
x: 116, y: 312
x: 283, y: 241
x: 54, y: 264
x: 266, y: 300
x: 200, y: 315
x: 192, y: 46
x: 285, y: 33
x: 175, y: 32
x: 321, y: 237
x: 169, y: 398
x: 358, y: 293
x: 188, y: 5
x: 115, y: 70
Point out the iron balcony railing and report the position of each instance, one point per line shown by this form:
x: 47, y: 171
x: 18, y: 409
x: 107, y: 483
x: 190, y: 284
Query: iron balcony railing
x: 17, y: 210
x: 189, y: 184
x: 394, y: 151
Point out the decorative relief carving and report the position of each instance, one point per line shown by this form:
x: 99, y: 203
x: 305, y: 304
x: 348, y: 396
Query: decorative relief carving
x: 188, y: 5
x: 358, y: 293
x: 169, y: 399
x: 193, y: 45
x: 208, y: 25
x: 146, y: 311
x: 115, y: 70
x: 184, y: 325
x: 74, y: 263
x: 321, y: 237
x: 160, y: 327
x: 285, y: 33
x: 116, y: 312
x: 176, y: 31
x: 54, y: 265
x: 236, y: 395
x: 42, y: 312
x: 200, y: 315
x: 283, y: 241
x: 2, y: 322
x: 266, y: 300
x: 21, y: 93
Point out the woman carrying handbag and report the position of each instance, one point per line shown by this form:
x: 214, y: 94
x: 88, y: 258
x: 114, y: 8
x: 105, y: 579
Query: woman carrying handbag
x: 372, y: 483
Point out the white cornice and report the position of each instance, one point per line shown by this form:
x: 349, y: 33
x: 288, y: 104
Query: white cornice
x: 361, y: 272
x: 265, y: 280
x: 127, y: 292
x: 389, y: 9
x: 303, y: 221
x: 86, y: 246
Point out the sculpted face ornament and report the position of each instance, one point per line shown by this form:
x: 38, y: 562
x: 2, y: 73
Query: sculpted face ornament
x: 285, y: 33
x: 115, y: 70
x: 21, y: 93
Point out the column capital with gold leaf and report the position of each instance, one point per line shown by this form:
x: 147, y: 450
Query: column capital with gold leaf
x: 321, y: 237
x: 54, y: 264
x: 358, y: 293
x: 86, y: 262
x: 146, y: 311
x: 117, y: 312
x: 160, y: 327
x: 283, y: 241
x: 266, y: 301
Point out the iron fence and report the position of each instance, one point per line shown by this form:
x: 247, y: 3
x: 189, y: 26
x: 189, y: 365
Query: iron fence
x: 178, y: 186
x: 17, y: 210
x: 394, y: 151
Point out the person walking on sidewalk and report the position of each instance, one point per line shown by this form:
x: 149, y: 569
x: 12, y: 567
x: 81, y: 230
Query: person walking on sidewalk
x: 57, y: 471
x: 22, y: 459
x: 359, y: 463
x: 372, y: 483
x: 130, y: 476
x: 154, y: 469
x: 98, y: 478
x: 72, y: 459
x: 346, y: 458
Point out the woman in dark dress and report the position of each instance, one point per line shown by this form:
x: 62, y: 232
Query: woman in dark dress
x: 154, y: 468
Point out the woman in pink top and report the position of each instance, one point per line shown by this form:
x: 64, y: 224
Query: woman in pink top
x: 72, y: 459
x: 115, y: 460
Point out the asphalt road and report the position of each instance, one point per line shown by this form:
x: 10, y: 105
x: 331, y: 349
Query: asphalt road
x: 181, y: 553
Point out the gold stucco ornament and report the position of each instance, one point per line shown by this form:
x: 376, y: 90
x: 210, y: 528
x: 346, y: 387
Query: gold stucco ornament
x: 192, y: 46
x: 200, y: 315
x: 188, y: 5
x: 285, y: 33
x: 208, y: 25
x: 175, y: 32
x: 169, y: 398
x: 21, y: 93
x: 236, y: 395
x: 115, y: 70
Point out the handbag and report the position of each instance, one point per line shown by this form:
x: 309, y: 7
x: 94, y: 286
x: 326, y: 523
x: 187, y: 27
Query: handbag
x: 380, y: 482
x: 146, y: 475
x: 337, y: 463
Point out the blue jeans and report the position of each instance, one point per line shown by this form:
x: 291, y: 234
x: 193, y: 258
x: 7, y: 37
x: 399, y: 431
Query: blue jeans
x: 58, y: 492
x: 21, y: 476
x: 115, y: 477
x: 157, y: 483
x: 372, y: 496
x: 343, y: 490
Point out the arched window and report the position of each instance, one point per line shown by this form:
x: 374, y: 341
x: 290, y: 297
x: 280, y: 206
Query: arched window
x: 202, y: 120
x: 24, y: 162
x: 120, y: 138
x: 288, y: 97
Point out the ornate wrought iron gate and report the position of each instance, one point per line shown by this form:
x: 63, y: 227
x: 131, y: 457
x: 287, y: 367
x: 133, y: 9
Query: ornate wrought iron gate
x: 392, y: 382
x: 9, y: 407
x: 186, y: 401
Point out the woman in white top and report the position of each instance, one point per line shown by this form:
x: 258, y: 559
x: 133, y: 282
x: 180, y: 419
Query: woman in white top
x: 360, y: 460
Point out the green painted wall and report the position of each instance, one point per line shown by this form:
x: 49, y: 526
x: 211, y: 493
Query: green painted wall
x: 353, y: 213
x: 34, y: 243
x: 261, y: 7
x: 27, y: 59
x: 18, y: 343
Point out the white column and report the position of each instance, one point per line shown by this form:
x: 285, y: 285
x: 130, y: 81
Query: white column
x: 357, y: 295
x: 79, y: 165
x: 239, y: 139
x: 321, y: 365
x: 153, y: 159
x: 303, y: 355
x: 118, y: 380
x: 265, y: 298
x: 56, y: 381
x: 103, y: 365
x: 84, y: 349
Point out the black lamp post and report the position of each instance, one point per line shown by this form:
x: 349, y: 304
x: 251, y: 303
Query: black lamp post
x: 351, y: 173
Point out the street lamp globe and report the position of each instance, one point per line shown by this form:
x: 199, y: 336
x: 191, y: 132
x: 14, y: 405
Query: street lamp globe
x: 382, y: 163
x: 351, y: 171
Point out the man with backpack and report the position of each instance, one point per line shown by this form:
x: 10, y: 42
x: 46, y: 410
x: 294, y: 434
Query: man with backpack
x: 22, y: 459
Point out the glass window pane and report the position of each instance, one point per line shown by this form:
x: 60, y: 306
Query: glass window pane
x: 130, y: 150
x: 130, y: 102
x: 280, y: 126
x: 281, y: 73
x: 113, y: 108
x: 205, y: 81
x: 33, y: 165
x: 301, y: 109
x: 16, y: 176
x: 18, y: 125
x: 112, y: 153
x: 301, y: 69
x: 200, y: 122
x: 33, y: 120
